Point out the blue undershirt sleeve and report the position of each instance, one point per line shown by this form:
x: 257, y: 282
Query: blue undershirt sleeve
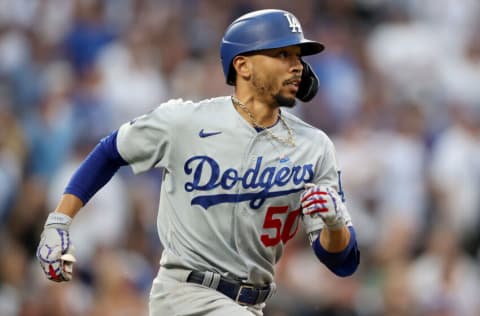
x: 343, y: 263
x: 96, y: 170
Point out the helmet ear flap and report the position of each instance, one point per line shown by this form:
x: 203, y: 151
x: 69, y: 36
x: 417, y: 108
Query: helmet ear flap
x: 232, y: 74
x: 309, y: 86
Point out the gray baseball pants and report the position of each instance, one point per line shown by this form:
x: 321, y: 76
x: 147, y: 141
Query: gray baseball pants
x: 171, y: 295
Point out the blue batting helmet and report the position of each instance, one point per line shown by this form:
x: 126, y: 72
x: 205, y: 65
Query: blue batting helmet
x: 260, y: 30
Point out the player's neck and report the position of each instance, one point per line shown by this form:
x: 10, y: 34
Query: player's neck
x: 265, y: 115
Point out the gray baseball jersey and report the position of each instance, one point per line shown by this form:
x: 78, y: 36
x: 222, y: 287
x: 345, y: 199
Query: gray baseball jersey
x: 230, y: 195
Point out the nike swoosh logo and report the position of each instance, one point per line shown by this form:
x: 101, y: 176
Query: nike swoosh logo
x: 204, y: 134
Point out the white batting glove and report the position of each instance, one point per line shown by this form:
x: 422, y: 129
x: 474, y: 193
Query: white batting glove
x: 55, y: 251
x: 321, y: 206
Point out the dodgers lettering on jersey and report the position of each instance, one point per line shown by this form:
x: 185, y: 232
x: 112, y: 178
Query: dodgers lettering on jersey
x: 228, y: 191
x: 207, y: 176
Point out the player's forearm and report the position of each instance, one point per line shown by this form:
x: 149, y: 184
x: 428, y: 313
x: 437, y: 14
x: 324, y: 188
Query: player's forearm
x: 334, y: 240
x: 69, y: 205
x: 343, y: 263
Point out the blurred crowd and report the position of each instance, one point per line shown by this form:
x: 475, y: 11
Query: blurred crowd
x: 399, y: 96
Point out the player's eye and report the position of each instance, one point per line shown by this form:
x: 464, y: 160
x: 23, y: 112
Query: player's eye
x: 283, y: 54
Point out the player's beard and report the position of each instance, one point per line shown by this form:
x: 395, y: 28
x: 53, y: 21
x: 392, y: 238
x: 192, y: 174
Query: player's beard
x: 284, y: 101
x: 265, y: 87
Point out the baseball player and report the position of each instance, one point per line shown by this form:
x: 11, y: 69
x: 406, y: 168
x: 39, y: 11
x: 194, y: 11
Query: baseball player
x: 239, y: 174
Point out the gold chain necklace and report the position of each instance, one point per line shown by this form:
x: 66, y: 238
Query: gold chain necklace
x: 290, y: 138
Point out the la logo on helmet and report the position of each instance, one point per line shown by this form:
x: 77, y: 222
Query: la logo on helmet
x: 293, y: 23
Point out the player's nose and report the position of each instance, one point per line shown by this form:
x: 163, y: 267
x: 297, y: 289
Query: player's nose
x: 297, y: 66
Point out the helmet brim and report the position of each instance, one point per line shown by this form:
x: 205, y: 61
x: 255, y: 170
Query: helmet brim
x: 311, y: 47
x: 307, y: 47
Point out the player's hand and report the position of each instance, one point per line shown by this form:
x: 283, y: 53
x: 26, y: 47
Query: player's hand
x: 321, y: 206
x: 55, y: 251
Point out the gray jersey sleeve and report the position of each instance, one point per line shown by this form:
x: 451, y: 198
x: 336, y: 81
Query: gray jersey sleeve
x: 327, y: 174
x: 146, y: 141
x: 330, y: 176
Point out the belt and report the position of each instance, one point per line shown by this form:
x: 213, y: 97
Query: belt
x: 241, y: 293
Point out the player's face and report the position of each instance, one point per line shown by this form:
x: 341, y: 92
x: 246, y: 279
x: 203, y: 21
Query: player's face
x: 276, y: 75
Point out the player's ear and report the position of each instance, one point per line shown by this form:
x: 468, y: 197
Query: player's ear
x: 242, y: 66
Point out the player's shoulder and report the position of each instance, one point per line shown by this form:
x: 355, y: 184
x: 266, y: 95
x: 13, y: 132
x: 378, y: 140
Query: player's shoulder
x: 174, y: 104
x: 186, y: 106
x: 216, y: 101
x: 179, y: 112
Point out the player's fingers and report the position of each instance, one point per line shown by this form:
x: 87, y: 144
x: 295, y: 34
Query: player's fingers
x: 67, y: 261
x: 314, y: 195
x: 314, y: 210
x: 308, y: 188
x: 68, y: 257
x: 61, y: 269
x: 54, y: 271
x: 315, y: 202
x: 309, y: 185
x: 67, y: 271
